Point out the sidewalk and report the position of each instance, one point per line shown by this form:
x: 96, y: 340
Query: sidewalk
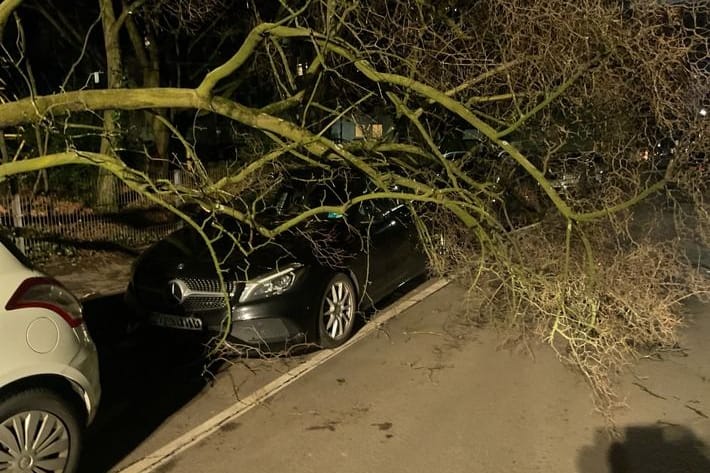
x: 432, y: 393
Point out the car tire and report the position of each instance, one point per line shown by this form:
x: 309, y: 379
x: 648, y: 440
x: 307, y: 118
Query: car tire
x: 55, y: 432
x: 337, y: 311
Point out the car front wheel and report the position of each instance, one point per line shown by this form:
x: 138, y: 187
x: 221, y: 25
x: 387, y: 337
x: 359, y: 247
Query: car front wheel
x: 337, y: 311
x: 39, y: 431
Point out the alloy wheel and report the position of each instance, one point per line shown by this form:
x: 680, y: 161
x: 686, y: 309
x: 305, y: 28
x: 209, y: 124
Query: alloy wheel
x: 339, y: 309
x: 33, y: 441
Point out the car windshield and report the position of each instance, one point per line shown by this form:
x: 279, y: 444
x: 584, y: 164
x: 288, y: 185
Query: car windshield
x: 300, y: 193
x: 292, y: 195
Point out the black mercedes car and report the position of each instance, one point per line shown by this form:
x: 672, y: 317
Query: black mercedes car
x: 307, y: 285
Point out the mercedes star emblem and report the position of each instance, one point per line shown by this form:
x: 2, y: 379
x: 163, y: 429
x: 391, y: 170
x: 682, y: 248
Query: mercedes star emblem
x: 177, y: 289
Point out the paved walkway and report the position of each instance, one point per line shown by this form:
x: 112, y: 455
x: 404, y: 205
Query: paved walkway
x: 432, y: 393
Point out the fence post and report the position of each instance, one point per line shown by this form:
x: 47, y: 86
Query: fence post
x: 17, y: 220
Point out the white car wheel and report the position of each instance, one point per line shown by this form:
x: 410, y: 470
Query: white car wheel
x: 39, y: 432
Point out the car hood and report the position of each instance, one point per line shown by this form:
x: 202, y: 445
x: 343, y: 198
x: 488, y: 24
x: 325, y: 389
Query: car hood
x: 184, y: 253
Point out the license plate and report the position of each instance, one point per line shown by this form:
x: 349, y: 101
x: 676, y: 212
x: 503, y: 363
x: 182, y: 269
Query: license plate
x: 175, y: 321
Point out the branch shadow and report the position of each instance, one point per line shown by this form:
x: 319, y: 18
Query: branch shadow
x: 145, y: 379
x: 659, y: 448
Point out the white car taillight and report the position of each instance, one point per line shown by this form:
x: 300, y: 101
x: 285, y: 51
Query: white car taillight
x: 48, y: 294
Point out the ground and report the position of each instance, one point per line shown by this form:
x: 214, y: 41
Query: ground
x: 426, y: 391
x: 90, y: 273
x: 429, y: 392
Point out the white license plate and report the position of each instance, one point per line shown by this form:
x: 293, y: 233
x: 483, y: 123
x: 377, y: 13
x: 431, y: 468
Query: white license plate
x: 175, y: 321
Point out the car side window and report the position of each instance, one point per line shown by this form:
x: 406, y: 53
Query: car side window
x: 377, y: 210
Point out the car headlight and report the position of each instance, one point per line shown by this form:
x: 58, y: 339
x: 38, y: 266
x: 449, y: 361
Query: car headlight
x: 271, y: 284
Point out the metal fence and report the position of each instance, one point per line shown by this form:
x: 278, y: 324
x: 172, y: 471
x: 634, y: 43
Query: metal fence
x: 44, y: 223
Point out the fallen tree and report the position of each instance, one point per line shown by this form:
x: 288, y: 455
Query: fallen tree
x: 537, y: 86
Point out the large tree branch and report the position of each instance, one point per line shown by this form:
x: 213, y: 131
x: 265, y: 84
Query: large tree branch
x: 37, y: 109
x: 549, y: 98
x: 23, y: 166
x: 145, y: 186
x: 7, y: 7
x: 32, y: 110
x: 456, y: 107
x: 246, y: 50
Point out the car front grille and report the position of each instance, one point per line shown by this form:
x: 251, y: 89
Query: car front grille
x: 205, y: 294
x: 200, y: 295
x: 207, y: 285
x: 202, y: 303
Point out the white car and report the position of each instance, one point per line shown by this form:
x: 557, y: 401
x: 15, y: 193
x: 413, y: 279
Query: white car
x: 49, y: 370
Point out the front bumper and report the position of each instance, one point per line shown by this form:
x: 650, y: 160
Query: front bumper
x: 286, y: 319
x: 289, y: 318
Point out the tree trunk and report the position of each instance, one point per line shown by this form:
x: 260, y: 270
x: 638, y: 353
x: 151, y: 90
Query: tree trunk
x: 106, y: 198
x: 145, y: 47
